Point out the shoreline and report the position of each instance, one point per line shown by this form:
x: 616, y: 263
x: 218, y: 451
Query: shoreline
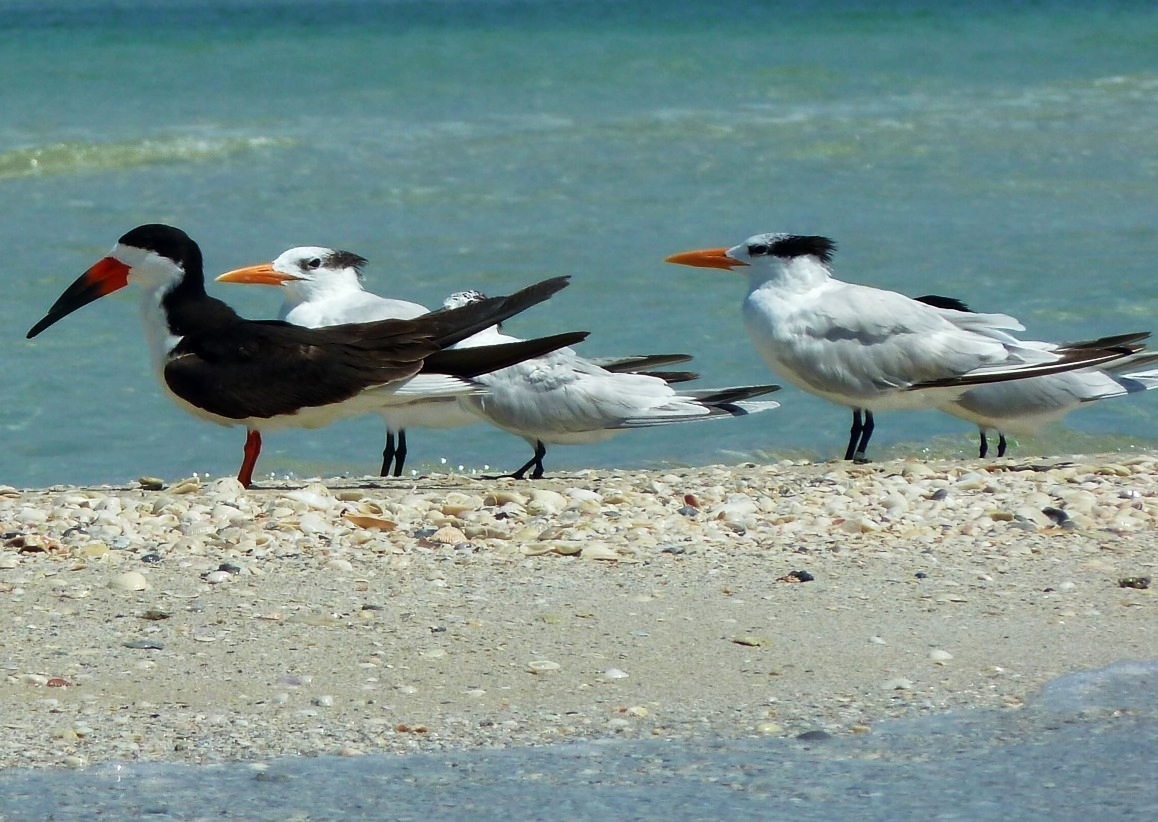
x: 446, y: 613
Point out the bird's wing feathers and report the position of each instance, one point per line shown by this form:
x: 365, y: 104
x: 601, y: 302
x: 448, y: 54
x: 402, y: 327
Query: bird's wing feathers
x: 292, y: 371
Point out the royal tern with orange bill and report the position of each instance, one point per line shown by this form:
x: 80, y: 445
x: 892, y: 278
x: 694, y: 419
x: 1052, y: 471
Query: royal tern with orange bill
x: 875, y: 350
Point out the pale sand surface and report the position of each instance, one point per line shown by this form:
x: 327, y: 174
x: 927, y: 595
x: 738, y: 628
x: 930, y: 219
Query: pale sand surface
x: 461, y: 612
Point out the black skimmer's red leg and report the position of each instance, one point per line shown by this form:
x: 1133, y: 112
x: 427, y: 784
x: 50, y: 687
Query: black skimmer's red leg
x: 251, y: 452
x: 267, y: 375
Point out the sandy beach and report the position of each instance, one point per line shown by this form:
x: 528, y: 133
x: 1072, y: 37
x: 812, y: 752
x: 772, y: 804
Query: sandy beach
x: 199, y: 622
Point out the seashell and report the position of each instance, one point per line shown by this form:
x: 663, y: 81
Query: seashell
x: 189, y: 486
x: 546, y: 501
x: 129, y: 581
x: 312, y: 523
x: 600, y: 551
x: 501, y: 496
x: 447, y: 535
x: 316, y: 497
x: 584, y: 495
x: 370, y: 522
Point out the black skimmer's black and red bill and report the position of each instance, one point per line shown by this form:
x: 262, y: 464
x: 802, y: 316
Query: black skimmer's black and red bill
x: 268, y: 374
x: 874, y: 350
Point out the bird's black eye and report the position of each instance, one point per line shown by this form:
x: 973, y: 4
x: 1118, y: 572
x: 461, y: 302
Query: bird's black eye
x: 757, y: 250
x: 314, y: 264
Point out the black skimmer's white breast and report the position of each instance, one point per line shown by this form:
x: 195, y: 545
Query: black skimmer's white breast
x: 869, y: 349
x: 322, y: 287
x: 268, y: 375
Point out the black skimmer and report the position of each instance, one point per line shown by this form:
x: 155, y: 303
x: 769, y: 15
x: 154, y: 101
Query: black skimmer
x: 1026, y: 406
x: 562, y: 398
x: 268, y: 375
x: 874, y: 350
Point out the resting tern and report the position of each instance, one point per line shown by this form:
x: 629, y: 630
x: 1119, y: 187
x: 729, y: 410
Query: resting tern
x: 869, y: 349
x: 268, y: 375
x: 564, y: 399
x: 1026, y: 406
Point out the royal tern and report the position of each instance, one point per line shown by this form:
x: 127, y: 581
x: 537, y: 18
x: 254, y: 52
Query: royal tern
x: 267, y: 375
x: 1026, y: 406
x: 869, y: 349
x: 564, y: 399
x: 322, y: 287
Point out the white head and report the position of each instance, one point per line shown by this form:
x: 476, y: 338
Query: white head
x: 306, y: 273
x: 460, y: 298
x: 762, y: 255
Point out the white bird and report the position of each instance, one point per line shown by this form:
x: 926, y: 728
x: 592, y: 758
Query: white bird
x: 323, y: 287
x: 874, y: 350
x: 1026, y: 406
x: 564, y: 399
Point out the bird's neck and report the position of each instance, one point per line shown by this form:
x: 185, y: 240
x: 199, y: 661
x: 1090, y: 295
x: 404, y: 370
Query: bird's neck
x: 170, y: 314
x: 189, y: 309
x: 798, y: 274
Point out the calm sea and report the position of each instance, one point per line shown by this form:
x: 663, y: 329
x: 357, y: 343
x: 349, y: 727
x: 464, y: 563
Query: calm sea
x: 1004, y: 153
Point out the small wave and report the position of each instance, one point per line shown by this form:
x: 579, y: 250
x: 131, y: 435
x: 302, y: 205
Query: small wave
x: 71, y: 158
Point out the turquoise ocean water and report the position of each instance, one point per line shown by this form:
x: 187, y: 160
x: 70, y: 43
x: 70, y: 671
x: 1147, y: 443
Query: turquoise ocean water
x: 1006, y: 154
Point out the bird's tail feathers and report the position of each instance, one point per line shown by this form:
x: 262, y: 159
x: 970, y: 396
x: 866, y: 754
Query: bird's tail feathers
x: 637, y: 363
x: 1064, y: 358
x: 1138, y: 381
x: 734, y: 394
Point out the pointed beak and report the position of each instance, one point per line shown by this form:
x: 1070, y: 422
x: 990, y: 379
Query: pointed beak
x: 706, y: 258
x: 105, y: 277
x: 263, y: 274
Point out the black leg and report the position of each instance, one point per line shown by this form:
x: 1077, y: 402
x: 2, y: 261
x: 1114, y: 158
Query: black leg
x: 866, y: 433
x: 1000, y: 444
x: 540, y: 452
x: 984, y: 444
x: 387, y: 455
x: 400, y: 454
x: 853, y: 434
x: 535, y: 462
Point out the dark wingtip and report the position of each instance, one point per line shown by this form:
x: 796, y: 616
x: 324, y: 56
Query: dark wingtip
x: 937, y: 301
